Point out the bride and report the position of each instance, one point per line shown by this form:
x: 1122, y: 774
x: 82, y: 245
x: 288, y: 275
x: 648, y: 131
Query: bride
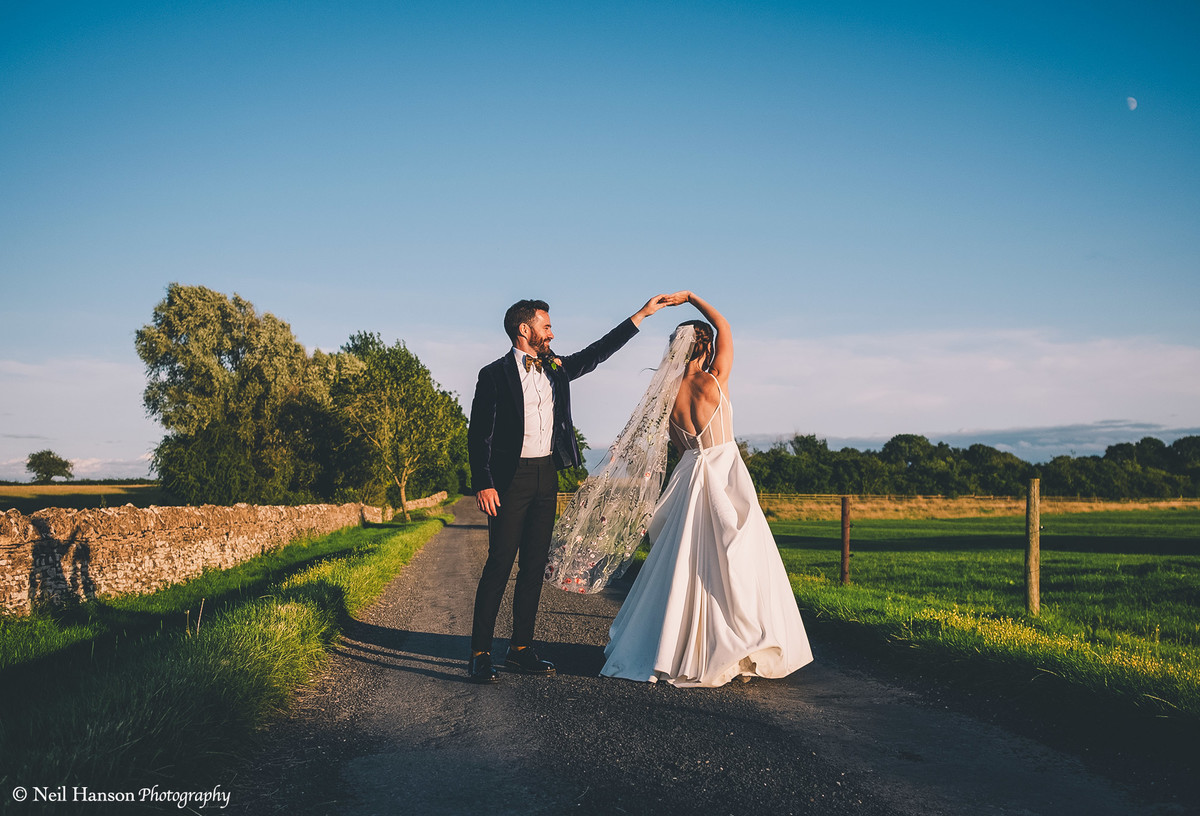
x: 712, y: 601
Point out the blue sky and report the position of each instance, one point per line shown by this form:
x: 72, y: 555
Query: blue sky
x: 938, y: 218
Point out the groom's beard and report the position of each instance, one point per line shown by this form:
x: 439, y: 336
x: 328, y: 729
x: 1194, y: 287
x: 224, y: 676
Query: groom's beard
x: 541, y: 344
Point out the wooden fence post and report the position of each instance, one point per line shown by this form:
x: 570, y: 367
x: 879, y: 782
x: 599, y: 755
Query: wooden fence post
x: 845, y: 540
x: 1033, y: 548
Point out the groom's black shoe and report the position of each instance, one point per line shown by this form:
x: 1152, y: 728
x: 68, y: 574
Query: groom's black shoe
x: 480, y: 669
x: 526, y: 661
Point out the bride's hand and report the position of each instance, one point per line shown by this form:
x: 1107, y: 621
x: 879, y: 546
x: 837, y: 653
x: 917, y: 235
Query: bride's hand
x: 657, y: 302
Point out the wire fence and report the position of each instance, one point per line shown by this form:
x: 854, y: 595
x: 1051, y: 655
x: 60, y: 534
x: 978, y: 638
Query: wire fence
x: 827, y: 506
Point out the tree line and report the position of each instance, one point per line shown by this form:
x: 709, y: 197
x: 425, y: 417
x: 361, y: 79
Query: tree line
x: 909, y: 464
x: 252, y: 417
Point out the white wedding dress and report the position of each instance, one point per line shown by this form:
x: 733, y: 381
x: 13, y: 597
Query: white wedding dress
x: 712, y: 601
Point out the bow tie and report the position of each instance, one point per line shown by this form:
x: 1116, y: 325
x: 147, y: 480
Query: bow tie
x: 532, y: 362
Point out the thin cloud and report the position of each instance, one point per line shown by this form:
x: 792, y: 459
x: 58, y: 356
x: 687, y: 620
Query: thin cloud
x: 1035, y: 445
x: 85, y: 409
x: 97, y: 468
x: 880, y: 385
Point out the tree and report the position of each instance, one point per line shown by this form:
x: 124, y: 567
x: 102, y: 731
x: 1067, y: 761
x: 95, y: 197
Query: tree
x: 860, y: 472
x: 45, y: 465
x: 248, y: 412
x: 1185, y: 455
x: 906, y: 450
x: 1185, y: 451
x: 1121, y: 453
x: 774, y: 470
x: 211, y: 466
x: 1153, y: 453
x: 814, y: 469
x: 996, y: 473
x: 394, y: 406
x: 212, y: 358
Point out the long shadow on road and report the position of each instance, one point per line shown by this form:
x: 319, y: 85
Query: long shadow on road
x: 429, y: 653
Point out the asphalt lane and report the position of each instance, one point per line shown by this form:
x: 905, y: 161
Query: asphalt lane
x: 394, y: 727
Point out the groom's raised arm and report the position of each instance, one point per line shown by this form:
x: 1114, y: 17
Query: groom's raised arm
x: 582, y: 362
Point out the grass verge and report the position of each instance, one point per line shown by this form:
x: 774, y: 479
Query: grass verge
x: 174, y: 705
x: 63, y: 636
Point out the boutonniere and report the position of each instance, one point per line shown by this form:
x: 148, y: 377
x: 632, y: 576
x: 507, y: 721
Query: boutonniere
x: 555, y: 363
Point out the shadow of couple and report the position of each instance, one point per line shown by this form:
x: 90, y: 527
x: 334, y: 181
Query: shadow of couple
x: 445, y: 656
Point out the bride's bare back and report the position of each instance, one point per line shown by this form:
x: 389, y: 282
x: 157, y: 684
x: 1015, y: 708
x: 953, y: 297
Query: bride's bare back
x: 698, y: 400
x: 701, y: 416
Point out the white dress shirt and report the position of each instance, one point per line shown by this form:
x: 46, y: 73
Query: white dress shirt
x: 539, y: 409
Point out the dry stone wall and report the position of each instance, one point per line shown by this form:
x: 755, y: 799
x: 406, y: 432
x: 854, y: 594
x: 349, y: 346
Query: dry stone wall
x: 54, y: 554
x: 419, y: 504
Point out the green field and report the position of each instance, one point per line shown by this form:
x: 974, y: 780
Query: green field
x: 29, y: 498
x: 1120, y: 595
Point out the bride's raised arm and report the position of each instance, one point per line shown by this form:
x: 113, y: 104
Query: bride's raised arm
x: 723, y: 353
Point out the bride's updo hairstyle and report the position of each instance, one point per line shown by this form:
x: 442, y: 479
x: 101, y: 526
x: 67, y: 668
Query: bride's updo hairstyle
x: 702, y: 349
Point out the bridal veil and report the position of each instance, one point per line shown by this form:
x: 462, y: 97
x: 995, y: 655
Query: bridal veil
x: 596, y: 536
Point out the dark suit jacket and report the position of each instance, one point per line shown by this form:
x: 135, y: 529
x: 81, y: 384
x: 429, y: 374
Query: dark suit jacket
x: 497, y: 426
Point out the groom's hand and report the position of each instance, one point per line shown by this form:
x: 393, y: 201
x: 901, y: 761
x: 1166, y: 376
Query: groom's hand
x: 657, y: 302
x: 488, y: 500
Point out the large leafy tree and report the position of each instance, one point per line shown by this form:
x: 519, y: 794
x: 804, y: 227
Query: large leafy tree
x: 246, y: 409
x: 393, y: 405
x: 212, y: 358
x: 45, y: 465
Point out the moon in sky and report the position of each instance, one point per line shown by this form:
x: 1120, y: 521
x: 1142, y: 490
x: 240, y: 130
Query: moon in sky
x: 1131, y: 102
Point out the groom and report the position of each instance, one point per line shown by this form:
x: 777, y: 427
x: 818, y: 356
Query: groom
x: 520, y: 435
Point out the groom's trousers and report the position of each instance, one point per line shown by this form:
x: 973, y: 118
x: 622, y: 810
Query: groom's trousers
x: 519, y: 531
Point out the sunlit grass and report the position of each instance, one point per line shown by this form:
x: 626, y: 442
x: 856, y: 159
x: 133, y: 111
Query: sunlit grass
x: 1120, y: 594
x: 29, y: 498
x: 126, y: 617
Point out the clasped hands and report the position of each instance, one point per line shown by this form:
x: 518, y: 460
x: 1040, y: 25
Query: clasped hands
x: 657, y: 302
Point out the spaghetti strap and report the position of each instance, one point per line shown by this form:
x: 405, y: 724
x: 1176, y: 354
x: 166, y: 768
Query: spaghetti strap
x: 720, y: 390
x: 697, y: 439
x: 722, y: 401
